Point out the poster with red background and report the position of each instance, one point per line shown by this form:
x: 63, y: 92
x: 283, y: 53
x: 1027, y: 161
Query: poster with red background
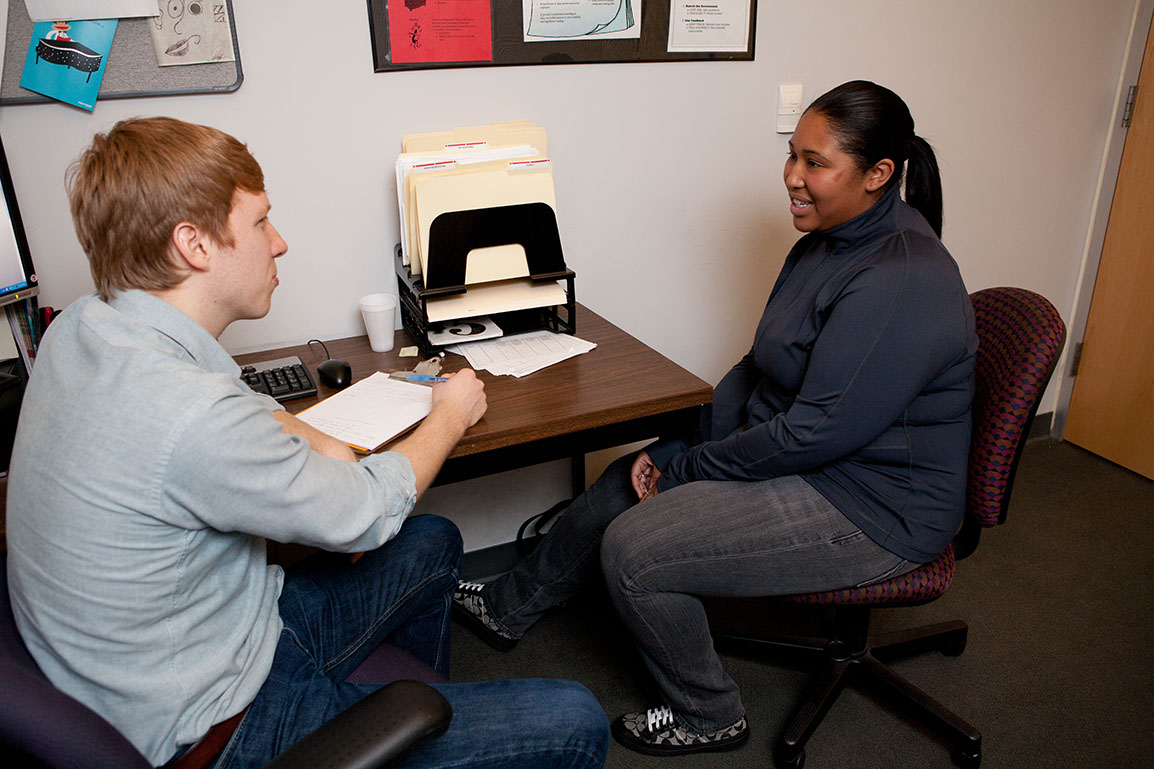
x: 430, y: 31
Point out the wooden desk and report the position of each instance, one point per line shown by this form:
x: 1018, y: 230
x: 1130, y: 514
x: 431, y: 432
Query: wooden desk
x: 619, y: 393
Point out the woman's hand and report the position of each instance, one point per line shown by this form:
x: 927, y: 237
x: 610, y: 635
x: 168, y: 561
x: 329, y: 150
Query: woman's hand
x: 644, y: 476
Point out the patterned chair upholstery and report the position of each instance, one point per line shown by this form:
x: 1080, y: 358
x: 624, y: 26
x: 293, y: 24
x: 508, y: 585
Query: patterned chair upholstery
x: 1021, y: 336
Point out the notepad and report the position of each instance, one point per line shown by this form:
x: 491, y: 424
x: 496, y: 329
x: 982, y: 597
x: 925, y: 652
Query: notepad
x: 371, y: 412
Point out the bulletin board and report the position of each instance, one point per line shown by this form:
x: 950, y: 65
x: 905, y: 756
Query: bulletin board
x: 131, y: 70
x: 508, y: 23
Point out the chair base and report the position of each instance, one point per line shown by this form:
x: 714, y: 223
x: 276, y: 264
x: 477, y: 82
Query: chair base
x: 845, y: 661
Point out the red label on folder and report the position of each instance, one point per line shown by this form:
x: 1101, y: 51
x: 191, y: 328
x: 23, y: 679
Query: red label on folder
x: 524, y: 164
x: 437, y: 166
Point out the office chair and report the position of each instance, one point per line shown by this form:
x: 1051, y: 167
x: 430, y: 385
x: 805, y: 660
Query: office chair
x: 1021, y: 336
x: 41, y: 726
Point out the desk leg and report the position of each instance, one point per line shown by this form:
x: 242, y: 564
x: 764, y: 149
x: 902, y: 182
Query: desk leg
x: 577, y: 474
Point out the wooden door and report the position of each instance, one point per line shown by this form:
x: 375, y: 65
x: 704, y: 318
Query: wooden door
x: 1112, y: 406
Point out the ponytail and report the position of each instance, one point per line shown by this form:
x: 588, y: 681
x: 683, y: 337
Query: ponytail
x: 872, y: 123
x: 924, y: 183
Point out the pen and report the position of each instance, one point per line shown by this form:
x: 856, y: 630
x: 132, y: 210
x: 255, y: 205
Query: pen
x: 410, y: 377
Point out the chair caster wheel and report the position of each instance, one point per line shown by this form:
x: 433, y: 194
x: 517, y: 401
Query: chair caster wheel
x: 954, y: 648
x: 967, y: 757
x: 953, y: 645
x: 796, y: 762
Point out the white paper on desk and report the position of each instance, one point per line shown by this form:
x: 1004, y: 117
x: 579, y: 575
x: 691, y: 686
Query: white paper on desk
x: 371, y: 412
x: 75, y: 10
x: 522, y: 354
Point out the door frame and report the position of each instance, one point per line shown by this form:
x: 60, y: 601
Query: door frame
x: 1100, y: 216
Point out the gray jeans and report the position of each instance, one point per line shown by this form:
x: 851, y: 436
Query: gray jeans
x: 704, y: 539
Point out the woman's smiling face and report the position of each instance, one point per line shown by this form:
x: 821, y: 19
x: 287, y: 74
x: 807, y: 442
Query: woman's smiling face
x: 826, y: 188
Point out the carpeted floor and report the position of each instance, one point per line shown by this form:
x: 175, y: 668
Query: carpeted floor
x: 1056, y: 672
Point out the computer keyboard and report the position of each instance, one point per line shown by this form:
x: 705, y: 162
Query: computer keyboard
x: 282, y: 378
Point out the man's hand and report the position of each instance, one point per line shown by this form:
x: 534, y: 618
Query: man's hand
x: 319, y: 442
x: 458, y: 404
x: 463, y: 395
x: 644, y: 476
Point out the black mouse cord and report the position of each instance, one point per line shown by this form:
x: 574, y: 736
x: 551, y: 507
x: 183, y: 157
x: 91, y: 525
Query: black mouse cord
x: 322, y: 344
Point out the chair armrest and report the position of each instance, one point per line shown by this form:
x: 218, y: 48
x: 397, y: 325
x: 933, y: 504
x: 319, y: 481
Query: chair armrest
x: 374, y: 732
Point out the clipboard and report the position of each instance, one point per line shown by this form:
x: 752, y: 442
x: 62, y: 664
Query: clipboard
x: 372, y: 412
x: 131, y: 71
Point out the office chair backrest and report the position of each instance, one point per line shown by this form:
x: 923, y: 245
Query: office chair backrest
x: 42, y: 723
x: 1020, y: 336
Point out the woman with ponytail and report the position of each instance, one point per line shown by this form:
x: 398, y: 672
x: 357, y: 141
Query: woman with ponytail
x: 835, y: 454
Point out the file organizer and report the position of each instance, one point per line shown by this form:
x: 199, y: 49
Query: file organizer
x: 454, y: 235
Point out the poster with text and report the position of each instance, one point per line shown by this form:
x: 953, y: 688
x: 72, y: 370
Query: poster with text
x: 431, y: 31
x: 709, y: 25
x: 553, y: 20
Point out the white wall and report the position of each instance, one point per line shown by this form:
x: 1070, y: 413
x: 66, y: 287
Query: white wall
x: 667, y: 175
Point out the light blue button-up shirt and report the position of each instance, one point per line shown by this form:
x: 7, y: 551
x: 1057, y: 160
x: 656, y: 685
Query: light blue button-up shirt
x: 144, y: 481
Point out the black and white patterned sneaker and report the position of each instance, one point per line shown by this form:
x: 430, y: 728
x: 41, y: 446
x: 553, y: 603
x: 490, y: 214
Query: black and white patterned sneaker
x: 658, y: 733
x: 469, y: 607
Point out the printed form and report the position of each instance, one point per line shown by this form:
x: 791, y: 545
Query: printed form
x: 522, y: 354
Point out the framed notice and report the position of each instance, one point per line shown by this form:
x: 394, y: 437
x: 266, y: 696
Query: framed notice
x: 424, y: 34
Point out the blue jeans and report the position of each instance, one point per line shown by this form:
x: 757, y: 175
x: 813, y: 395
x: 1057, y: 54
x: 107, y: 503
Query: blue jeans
x: 335, y: 614
x: 708, y: 538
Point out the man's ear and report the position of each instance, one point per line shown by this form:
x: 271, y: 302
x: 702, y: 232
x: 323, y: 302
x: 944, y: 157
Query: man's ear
x: 193, y: 250
x: 877, y: 176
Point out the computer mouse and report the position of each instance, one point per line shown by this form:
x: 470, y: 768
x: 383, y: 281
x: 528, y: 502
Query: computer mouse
x: 337, y: 374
